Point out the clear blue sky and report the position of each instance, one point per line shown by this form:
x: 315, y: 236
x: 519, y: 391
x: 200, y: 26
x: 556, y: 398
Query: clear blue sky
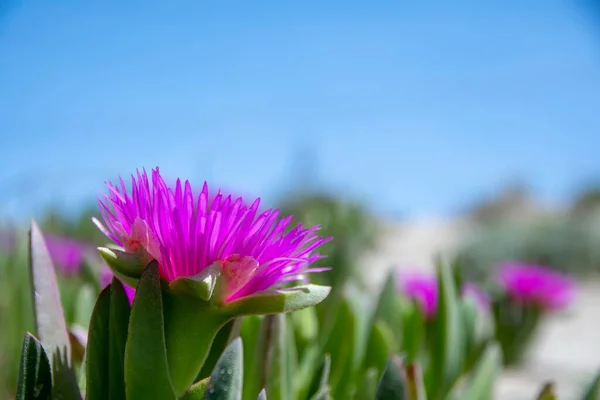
x: 411, y: 108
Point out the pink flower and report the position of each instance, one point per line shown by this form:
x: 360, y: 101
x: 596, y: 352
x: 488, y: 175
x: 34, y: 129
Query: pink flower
x: 185, y: 233
x: 106, y: 276
x: 66, y: 253
x: 423, y: 289
x: 536, y: 284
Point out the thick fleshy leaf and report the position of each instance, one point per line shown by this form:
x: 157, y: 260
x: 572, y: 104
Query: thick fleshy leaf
x: 279, y: 380
x: 226, y: 380
x: 35, y: 378
x: 308, y: 367
x: 146, y: 367
x: 368, y: 387
x: 190, y: 326
x: 592, y: 392
x: 254, y: 355
x: 392, y: 384
x: 201, y: 285
x: 49, y: 315
x: 448, y: 346
x: 278, y: 301
x: 84, y: 306
x: 64, y: 381
x: 481, y: 383
x: 50, y: 318
x: 379, y: 347
x: 127, y: 267
x: 219, y: 344
x: 106, y: 348
x: 413, y: 331
x: 197, y: 390
x: 389, y: 309
x: 340, y: 346
x: 262, y: 395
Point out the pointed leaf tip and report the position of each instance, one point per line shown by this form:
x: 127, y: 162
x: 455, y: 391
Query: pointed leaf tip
x: 278, y: 301
x: 392, y: 384
x: 35, y: 378
x: 128, y: 267
x: 49, y: 314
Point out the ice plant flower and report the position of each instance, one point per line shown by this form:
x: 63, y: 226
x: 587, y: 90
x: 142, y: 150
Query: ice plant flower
x: 211, y: 257
x: 422, y: 288
x: 66, y: 253
x: 186, y: 233
x: 535, y: 284
x: 106, y: 276
x: 8, y: 240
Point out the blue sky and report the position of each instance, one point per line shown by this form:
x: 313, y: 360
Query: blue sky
x: 414, y: 109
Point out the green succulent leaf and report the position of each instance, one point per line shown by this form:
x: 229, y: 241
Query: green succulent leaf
x: 219, y: 344
x: 483, y: 377
x: 146, y: 367
x: 279, y: 379
x: 49, y: 314
x: 448, y: 346
x: 128, y: 267
x: 50, y: 318
x: 201, y: 285
x: 226, y: 380
x: 106, y: 344
x: 340, y: 342
x: 254, y: 354
x: 278, y: 301
x: 190, y: 326
x: 389, y: 308
x: 84, y: 306
x: 381, y: 342
x: 392, y: 385
x: 35, y: 377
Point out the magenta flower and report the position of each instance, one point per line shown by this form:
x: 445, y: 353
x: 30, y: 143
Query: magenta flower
x: 423, y: 289
x: 66, y: 253
x: 185, y: 233
x: 8, y: 240
x: 536, y: 284
x: 106, y: 276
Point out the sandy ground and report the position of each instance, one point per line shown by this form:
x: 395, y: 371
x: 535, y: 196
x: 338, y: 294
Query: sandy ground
x: 567, y: 350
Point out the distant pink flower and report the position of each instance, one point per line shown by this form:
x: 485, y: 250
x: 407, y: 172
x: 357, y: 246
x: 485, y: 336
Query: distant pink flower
x: 477, y: 294
x: 66, y: 253
x: 8, y: 240
x: 536, y: 284
x: 186, y: 233
x: 423, y: 289
x: 106, y: 276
